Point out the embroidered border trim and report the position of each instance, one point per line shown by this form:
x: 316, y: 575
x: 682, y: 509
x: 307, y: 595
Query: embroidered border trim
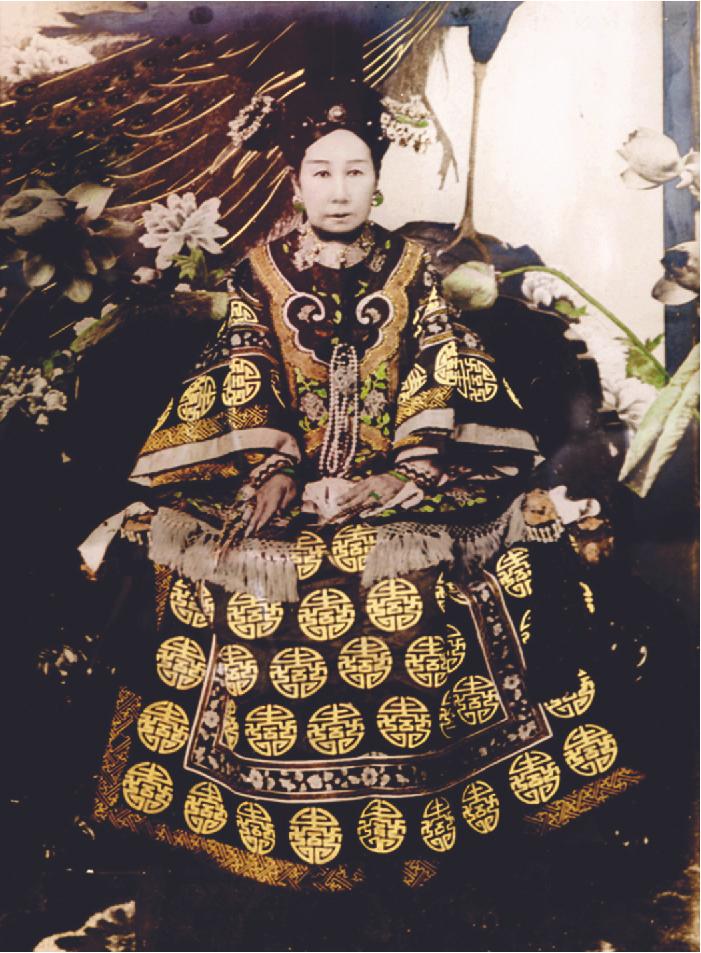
x: 564, y: 810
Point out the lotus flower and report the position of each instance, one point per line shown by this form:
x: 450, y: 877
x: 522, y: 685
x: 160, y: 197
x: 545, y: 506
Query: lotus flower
x: 182, y: 222
x: 652, y: 158
x: 542, y: 289
x: 680, y: 283
x: 471, y: 286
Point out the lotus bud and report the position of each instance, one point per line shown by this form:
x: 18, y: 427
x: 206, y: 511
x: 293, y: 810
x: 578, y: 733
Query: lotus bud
x: 652, y: 157
x: 471, y: 286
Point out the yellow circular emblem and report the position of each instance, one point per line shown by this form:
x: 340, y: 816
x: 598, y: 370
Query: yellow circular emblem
x: 381, y: 827
x: 197, y: 399
x: 457, y: 648
x: 164, y: 416
x: 414, y: 381
x: 308, y: 554
x: 325, y: 614
x: 480, y: 807
x: 445, y: 369
x: 240, y: 669
x: 252, y: 618
x: 271, y: 730
x: 351, y: 545
x: 230, y: 731
x: 298, y: 671
x: 315, y: 835
x: 590, y: 750
x: 204, y: 809
x: 335, y: 729
x: 163, y: 727
x: 534, y: 777
x: 438, y: 827
x: 394, y: 605
x: 514, y: 572
x: 475, y: 699
x: 186, y: 607
x: 446, y: 715
x: 404, y: 721
x: 241, y: 384
x: 241, y: 313
x: 576, y: 703
x: 364, y: 662
x: 180, y: 663
x: 524, y: 626
x: 147, y: 787
x: 426, y: 661
x: 475, y: 380
x: 256, y: 828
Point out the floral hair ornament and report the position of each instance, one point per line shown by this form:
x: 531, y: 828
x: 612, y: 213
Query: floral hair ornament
x: 250, y: 119
x: 408, y: 123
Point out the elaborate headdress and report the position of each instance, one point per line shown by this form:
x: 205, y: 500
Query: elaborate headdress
x: 335, y: 102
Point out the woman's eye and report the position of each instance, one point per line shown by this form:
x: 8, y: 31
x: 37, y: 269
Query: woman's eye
x: 355, y: 172
x: 322, y: 173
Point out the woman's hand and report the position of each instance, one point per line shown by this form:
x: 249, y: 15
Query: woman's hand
x: 272, y: 499
x: 369, y: 494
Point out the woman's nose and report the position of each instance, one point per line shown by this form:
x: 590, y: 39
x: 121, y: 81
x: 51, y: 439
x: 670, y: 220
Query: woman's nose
x: 340, y: 189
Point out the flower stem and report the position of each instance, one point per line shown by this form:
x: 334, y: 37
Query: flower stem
x: 631, y: 335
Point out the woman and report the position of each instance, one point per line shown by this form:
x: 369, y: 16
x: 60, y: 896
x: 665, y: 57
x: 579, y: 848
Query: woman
x: 332, y: 679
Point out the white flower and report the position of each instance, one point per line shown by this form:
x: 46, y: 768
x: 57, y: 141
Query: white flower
x: 652, y: 159
x: 181, y: 222
x: 471, y: 286
x: 41, y: 55
x: 408, y: 123
x: 55, y: 400
x: 145, y: 276
x: 689, y: 178
x: 80, y: 326
x: 27, y: 388
x: 541, y: 288
x: 630, y: 398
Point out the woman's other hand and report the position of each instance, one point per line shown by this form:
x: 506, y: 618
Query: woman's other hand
x: 272, y: 499
x: 368, y: 494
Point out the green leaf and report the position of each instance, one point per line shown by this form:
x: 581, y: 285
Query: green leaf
x: 641, y: 365
x: 191, y: 265
x: 662, y: 427
x: 653, y: 343
x: 568, y: 309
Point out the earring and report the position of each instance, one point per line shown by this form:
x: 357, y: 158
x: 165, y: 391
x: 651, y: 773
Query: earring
x: 378, y: 198
x: 297, y: 204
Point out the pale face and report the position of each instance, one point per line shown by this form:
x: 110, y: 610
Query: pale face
x: 337, y: 181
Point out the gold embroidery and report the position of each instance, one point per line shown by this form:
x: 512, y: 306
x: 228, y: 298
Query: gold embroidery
x: 191, y: 432
x: 426, y: 661
x: 404, y: 721
x: 298, y: 671
x: 204, y: 809
x: 325, y: 614
x: 180, y: 663
x: 414, y: 381
x: 561, y: 812
x: 534, y: 777
x: 576, y: 703
x: 480, y: 807
x: 198, y: 471
x: 438, y: 828
x: 590, y: 750
x: 256, y: 828
x: 351, y: 545
x: 335, y: 729
x: 271, y: 730
x: 197, y: 398
x: 514, y: 572
x: 364, y: 662
x: 475, y: 699
x: 308, y: 554
x: 394, y: 605
x: 241, y: 384
x: 163, y: 727
x: 252, y: 618
x: 381, y: 827
x: 240, y: 669
x: 435, y: 397
x: 315, y: 835
x: 147, y: 787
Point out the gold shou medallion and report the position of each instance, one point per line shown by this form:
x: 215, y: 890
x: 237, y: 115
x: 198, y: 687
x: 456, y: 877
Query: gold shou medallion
x: 252, y: 618
x: 475, y: 699
x: 256, y: 828
x: 534, y: 777
x: 514, y: 572
x: 180, y: 663
x: 438, y: 827
x: 163, y: 727
x: 381, y: 827
x: 240, y: 669
x: 335, y: 729
x: 308, y: 554
x: 426, y: 661
x: 351, y: 545
x: 325, y: 614
x: 457, y: 648
x: 480, y: 807
x: 204, y: 809
x: 298, y: 671
x: 147, y: 787
x: 414, y: 381
x: 590, y: 750
x: 394, y: 605
x: 315, y: 835
x: 573, y: 704
x: 187, y: 608
x: 241, y: 384
x: 447, y: 722
x: 197, y: 399
x: 364, y: 662
x: 271, y: 730
x: 404, y: 721
x: 230, y: 730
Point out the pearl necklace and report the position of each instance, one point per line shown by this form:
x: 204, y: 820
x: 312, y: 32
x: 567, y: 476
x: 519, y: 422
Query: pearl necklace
x: 341, y: 437
x: 312, y: 250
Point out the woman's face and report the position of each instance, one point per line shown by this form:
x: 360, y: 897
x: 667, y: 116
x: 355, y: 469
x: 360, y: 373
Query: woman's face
x: 336, y: 182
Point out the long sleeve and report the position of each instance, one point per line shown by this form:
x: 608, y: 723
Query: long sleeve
x: 232, y: 403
